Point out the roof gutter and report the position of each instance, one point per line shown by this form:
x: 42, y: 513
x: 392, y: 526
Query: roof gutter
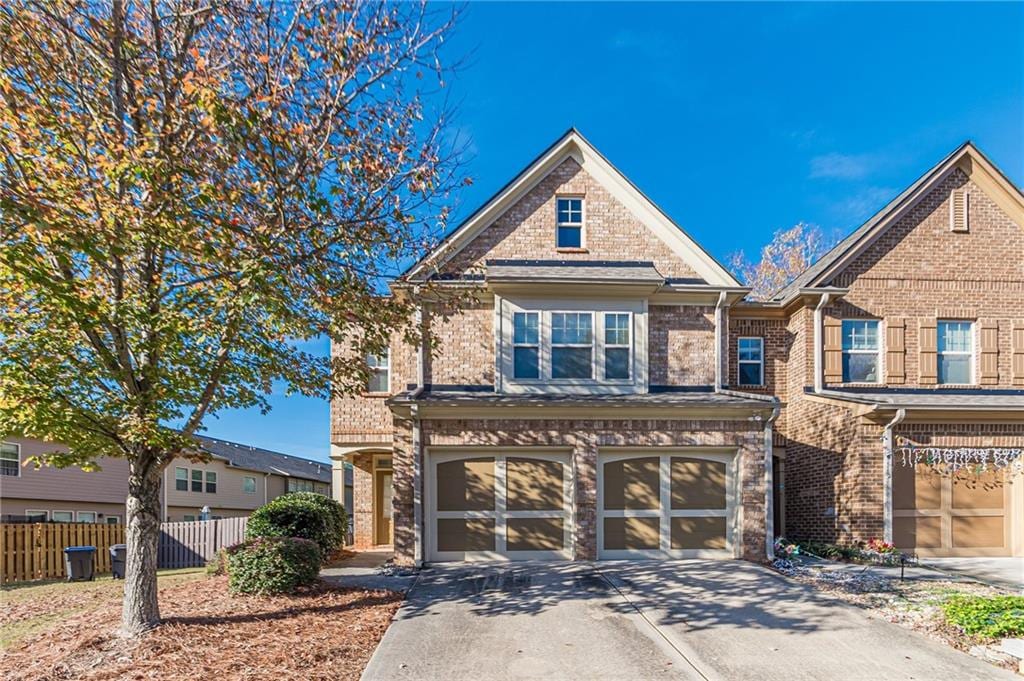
x: 887, y: 461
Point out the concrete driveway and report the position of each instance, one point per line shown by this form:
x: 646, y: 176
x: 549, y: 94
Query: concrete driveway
x: 692, y: 619
x: 1004, y: 572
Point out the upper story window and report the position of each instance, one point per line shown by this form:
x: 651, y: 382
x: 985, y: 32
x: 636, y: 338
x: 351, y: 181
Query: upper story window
x: 181, y: 479
x: 572, y: 345
x: 617, y: 345
x: 10, y: 459
x: 249, y: 485
x: 750, y: 356
x: 380, y: 372
x: 525, y: 345
x: 197, y: 480
x: 211, y: 482
x: 956, y: 352
x: 860, y: 351
x: 569, y: 222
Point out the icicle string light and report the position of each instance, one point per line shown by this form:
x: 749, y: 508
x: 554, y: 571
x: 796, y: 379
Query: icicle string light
x: 954, y: 459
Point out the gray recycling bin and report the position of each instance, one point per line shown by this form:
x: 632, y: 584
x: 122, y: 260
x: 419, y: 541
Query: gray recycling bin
x: 117, y: 555
x: 79, y: 562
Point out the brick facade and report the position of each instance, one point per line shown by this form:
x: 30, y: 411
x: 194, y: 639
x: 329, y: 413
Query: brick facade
x: 681, y: 345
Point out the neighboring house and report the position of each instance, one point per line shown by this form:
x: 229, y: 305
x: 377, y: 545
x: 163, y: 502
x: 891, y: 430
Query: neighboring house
x: 605, y: 390
x: 235, y: 480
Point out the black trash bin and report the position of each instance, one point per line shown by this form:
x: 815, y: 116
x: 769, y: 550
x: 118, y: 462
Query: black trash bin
x: 117, y: 555
x: 79, y: 562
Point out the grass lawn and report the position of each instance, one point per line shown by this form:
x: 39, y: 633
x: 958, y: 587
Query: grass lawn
x: 55, y: 630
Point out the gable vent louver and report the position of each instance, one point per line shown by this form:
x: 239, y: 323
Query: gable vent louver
x: 959, y: 211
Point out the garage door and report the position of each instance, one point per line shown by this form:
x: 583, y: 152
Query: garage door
x: 665, y: 505
x: 961, y: 514
x: 511, y: 506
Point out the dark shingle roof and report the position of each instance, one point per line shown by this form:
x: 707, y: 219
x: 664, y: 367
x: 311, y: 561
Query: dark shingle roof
x: 256, y: 459
x: 935, y: 399
x: 618, y: 271
x: 692, y: 398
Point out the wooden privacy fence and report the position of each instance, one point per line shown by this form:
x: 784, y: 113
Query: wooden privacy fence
x: 193, y: 544
x: 36, y: 550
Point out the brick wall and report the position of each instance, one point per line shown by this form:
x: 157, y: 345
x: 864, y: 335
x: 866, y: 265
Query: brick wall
x: 463, y: 346
x: 777, y: 339
x: 527, y: 229
x: 362, y: 501
x: 681, y: 345
x: 586, y: 438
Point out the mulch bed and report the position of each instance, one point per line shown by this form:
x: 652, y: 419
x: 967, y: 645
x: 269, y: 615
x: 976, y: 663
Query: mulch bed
x: 321, y: 633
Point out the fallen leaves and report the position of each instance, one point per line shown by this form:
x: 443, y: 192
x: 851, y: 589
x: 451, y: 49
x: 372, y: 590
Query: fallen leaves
x: 321, y: 633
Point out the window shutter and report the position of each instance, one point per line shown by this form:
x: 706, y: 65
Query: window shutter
x: 833, y: 336
x: 895, y: 351
x: 1018, y: 352
x: 989, y: 352
x: 928, y: 370
x: 959, y: 211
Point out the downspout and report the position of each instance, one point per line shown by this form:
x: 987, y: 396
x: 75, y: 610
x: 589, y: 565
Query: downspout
x: 769, y: 481
x: 719, y: 307
x: 266, y: 485
x: 819, y: 351
x: 417, y: 454
x: 887, y: 460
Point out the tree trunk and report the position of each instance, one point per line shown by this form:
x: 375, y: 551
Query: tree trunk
x: 141, y: 612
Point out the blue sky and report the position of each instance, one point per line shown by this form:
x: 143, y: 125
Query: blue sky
x: 738, y: 120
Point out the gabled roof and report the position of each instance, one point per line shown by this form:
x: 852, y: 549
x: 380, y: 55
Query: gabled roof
x: 568, y: 271
x: 573, y: 145
x: 265, y: 460
x: 826, y: 267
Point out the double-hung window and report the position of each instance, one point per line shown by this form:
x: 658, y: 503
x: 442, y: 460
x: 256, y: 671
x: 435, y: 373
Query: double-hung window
x: 572, y: 345
x: 569, y: 222
x: 956, y: 352
x: 62, y: 516
x: 616, y: 345
x: 525, y: 345
x: 10, y: 459
x: 197, y: 480
x: 249, y: 485
x: 181, y: 479
x: 211, y: 482
x: 750, y: 355
x: 380, y: 366
x: 87, y: 516
x: 860, y: 351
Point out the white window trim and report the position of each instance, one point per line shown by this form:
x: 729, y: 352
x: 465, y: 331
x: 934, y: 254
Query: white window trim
x: 605, y: 345
x: 970, y: 354
x: 187, y: 479
x: 206, y: 481
x: 95, y: 517
x: 255, y: 485
x: 568, y: 512
x: 70, y: 513
x: 551, y: 346
x: 597, y: 384
x: 106, y: 519
x: 730, y: 512
x: 191, y: 479
x: 581, y: 224
x: 386, y: 369
x: 880, y: 352
x: 45, y: 514
x: 760, y: 362
x: 17, y: 449
x: 540, y: 341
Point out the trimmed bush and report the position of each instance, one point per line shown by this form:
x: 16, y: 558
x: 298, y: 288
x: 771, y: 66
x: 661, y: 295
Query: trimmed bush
x: 990, y: 617
x: 306, y: 515
x: 272, y: 565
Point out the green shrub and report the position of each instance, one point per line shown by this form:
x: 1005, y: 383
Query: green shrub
x: 986, y: 616
x: 272, y: 565
x: 306, y: 515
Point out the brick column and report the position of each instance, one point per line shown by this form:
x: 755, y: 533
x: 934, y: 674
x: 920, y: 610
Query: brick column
x: 362, y: 501
x: 751, y: 460
x: 584, y: 458
x: 405, y: 531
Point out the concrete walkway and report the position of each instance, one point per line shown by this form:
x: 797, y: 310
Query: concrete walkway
x: 1004, y: 572
x: 369, y: 570
x: 710, y: 620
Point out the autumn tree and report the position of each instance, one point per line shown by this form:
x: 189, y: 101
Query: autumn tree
x: 789, y: 253
x: 188, y: 188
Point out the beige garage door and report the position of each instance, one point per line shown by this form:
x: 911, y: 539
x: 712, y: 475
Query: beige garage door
x: 665, y: 505
x: 942, y: 514
x: 512, y: 506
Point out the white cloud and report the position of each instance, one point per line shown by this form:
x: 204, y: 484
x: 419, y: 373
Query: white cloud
x: 863, y: 204
x: 842, y: 166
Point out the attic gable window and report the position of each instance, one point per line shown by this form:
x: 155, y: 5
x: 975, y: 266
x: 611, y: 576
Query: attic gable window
x: 569, y: 222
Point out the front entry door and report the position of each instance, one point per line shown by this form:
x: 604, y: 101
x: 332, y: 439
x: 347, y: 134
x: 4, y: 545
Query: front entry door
x: 384, y: 492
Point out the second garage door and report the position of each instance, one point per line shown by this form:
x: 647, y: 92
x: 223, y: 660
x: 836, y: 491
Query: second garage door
x: 508, y: 505
x: 666, y: 505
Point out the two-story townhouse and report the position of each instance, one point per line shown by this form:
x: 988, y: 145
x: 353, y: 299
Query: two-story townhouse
x: 574, y: 406
x: 234, y: 480
x: 902, y: 348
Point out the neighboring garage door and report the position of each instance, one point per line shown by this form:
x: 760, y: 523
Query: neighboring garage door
x: 963, y: 514
x: 513, y: 506
x: 666, y: 505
